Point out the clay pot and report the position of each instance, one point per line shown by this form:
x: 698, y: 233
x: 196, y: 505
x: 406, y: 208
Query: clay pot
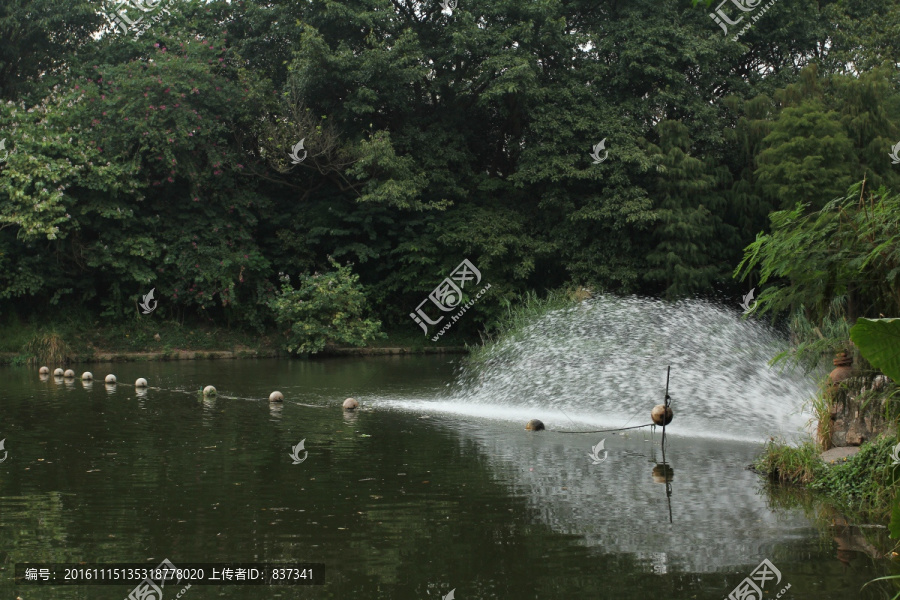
x: 843, y: 368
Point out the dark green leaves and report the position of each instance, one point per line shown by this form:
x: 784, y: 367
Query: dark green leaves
x: 878, y: 341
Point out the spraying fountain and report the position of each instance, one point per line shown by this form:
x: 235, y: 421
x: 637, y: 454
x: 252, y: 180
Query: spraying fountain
x: 602, y: 364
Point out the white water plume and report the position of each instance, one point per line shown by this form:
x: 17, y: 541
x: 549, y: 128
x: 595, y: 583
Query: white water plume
x: 603, y: 363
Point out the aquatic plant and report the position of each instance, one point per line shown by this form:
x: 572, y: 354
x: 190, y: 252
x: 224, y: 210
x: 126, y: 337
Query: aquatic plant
x: 864, y: 483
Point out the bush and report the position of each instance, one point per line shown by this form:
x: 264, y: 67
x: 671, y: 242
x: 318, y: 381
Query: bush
x: 865, y: 480
x: 325, y: 308
x: 863, y: 484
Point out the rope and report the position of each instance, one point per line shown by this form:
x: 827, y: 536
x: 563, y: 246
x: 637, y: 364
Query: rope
x: 605, y: 430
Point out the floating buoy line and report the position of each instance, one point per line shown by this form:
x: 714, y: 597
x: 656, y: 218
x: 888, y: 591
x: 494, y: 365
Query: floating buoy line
x: 661, y: 414
x: 140, y: 384
x: 608, y: 430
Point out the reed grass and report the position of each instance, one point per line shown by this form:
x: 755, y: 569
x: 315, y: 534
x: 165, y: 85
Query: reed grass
x: 47, y: 348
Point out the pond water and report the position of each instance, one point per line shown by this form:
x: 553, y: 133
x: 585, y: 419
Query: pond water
x: 420, y: 493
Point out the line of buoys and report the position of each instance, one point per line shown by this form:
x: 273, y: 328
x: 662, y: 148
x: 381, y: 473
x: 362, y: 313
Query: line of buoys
x: 275, y: 397
x: 88, y: 376
x: 661, y: 414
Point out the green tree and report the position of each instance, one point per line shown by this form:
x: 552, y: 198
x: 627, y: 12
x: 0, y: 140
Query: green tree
x: 431, y: 138
x: 695, y: 247
x: 40, y: 38
x: 136, y: 176
x: 324, y: 308
x: 830, y: 132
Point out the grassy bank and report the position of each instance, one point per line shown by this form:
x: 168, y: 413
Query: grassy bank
x: 864, y: 485
x: 79, y: 340
x: 860, y: 406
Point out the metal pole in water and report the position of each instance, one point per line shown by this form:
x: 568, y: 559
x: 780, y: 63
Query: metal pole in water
x: 665, y: 466
x: 666, y: 413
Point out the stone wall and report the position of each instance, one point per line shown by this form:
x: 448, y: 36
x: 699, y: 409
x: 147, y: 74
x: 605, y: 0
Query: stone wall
x: 857, y: 408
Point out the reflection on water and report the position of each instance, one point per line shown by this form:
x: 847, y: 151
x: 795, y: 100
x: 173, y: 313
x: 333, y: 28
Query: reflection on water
x: 663, y: 473
x: 275, y: 409
x: 853, y: 538
x: 718, y: 518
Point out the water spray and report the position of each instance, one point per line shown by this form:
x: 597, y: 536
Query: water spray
x: 660, y: 415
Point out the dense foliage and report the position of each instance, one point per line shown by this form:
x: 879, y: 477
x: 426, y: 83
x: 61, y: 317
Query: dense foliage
x: 829, y: 267
x: 158, y: 158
